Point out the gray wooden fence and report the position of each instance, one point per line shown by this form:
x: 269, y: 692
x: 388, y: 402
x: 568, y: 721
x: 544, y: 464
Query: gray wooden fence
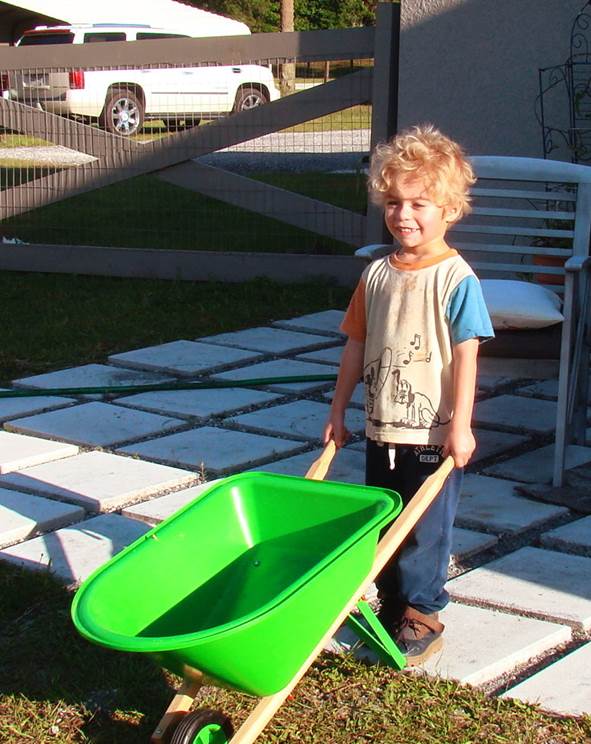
x: 114, y: 158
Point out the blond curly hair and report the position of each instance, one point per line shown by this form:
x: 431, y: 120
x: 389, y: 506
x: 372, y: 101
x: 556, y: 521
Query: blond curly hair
x: 423, y: 152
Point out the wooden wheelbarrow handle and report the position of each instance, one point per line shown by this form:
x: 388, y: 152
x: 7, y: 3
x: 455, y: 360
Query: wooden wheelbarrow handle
x: 319, y: 468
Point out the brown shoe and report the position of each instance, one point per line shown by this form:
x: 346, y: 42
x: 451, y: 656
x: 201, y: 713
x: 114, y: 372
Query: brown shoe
x: 419, y: 636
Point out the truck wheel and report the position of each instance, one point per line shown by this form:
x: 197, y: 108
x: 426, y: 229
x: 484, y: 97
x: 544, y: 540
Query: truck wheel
x: 249, y: 98
x: 123, y: 112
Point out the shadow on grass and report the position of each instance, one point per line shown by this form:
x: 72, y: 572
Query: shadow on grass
x: 145, y: 212
x: 114, y: 697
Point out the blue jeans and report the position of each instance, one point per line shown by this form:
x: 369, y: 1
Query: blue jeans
x: 417, y: 574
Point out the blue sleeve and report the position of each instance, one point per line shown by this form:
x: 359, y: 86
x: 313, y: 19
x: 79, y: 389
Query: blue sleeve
x: 467, y: 314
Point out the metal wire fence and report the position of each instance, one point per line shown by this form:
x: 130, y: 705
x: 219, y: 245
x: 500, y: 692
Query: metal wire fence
x: 255, y: 143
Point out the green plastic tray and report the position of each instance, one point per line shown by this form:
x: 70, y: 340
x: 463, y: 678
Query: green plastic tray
x: 241, y: 583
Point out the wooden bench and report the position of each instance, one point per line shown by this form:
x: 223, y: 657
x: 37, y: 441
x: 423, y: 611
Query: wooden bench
x: 531, y: 221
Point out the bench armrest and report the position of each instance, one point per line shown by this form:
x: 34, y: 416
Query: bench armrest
x: 578, y: 263
x: 376, y: 250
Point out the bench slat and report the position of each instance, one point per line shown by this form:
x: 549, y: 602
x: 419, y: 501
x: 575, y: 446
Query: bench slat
x: 532, y: 232
x: 553, y: 196
x: 528, y: 250
x: 530, y: 214
x: 516, y: 268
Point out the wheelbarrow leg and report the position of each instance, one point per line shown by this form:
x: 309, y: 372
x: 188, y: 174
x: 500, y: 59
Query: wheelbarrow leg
x: 181, y: 704
x: 376, y: 637
x: 388, y: 545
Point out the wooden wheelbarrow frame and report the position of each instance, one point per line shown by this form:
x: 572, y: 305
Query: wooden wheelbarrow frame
x: 387, y: 547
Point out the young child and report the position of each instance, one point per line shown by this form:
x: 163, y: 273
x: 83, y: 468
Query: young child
x: 413, y: 326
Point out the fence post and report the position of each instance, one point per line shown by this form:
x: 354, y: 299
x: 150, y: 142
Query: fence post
x: 384, y: 117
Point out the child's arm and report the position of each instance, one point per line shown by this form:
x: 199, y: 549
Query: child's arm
x: 350, y: 371
x: 460, y: 442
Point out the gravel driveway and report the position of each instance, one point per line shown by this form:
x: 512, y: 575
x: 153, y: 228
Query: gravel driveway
x: 294, y: 151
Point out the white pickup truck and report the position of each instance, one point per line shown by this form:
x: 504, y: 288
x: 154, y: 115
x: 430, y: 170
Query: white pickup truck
x: 121, y: 100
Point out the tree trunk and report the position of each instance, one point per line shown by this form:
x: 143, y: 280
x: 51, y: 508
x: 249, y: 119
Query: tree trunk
x: 287, y: 72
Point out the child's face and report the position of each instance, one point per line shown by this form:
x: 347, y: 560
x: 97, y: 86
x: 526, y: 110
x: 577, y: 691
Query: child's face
x: 415, y: 221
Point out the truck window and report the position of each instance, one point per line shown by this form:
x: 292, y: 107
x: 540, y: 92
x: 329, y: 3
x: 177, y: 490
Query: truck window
x: 59, y: 37
x: 159, y: 35
x: 104, y: 36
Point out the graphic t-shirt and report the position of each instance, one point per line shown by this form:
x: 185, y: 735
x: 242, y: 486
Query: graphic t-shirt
x: 410, y: 316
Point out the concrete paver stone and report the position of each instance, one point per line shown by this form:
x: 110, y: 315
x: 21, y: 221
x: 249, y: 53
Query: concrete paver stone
x: 332, y: 355
x: 575, y: 537
x: 536, y: 466
x: 492, y: 504
x: 11, y: 408
x: 301, y: 418
x: 348, y: 466
x: 282, y: 368
x: 268, y: 340
x: 154, y: 511
x: 563, y: 687
x: 357, y: 399
x: 23, y: 515
x: 481, y: 645
x: 357, y: 446
x: 490, y: 443
x: 517, y: 413
x: 491, y: 382
x: 219, y: 450
x: 468, y: 542
x: 541, y: 583
x: 73, y: 553
x: 544, y: 389
x: 18, y: 451
x: 327, y: 321
x: 95, y: 424
x: 91, y: 375
x: 99, y: 481
x: 197, y: 403
x: 183, y: 358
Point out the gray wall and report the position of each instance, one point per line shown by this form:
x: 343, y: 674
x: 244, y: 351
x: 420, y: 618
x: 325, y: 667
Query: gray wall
x: 471, y: 68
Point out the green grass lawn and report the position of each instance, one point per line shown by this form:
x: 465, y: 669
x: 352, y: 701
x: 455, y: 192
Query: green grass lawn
x: 145, y: 212
x: 12, y: 139
x: 55, y: 320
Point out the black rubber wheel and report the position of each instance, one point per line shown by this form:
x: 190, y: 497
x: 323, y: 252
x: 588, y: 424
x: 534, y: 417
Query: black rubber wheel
x: 203, y: 726
x: 249, y: 98
x: 123, y: 112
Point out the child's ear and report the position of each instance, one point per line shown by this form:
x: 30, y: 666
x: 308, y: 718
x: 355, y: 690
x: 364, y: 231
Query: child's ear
x: 452, y: 213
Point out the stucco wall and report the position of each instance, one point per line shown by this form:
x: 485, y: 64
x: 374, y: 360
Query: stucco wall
x: 471, y: 67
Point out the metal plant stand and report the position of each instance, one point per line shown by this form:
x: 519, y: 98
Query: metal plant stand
x: 564, y: 100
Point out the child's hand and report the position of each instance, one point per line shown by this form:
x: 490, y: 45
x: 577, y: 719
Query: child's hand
x: 460, y: 445
x: 335, y: 429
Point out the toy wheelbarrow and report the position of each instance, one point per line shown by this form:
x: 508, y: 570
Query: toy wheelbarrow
x: 244, y: 587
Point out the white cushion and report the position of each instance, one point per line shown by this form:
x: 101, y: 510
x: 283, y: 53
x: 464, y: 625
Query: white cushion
x: 514, y: 305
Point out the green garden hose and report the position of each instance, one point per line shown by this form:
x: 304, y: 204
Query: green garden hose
x: 155, y: 387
